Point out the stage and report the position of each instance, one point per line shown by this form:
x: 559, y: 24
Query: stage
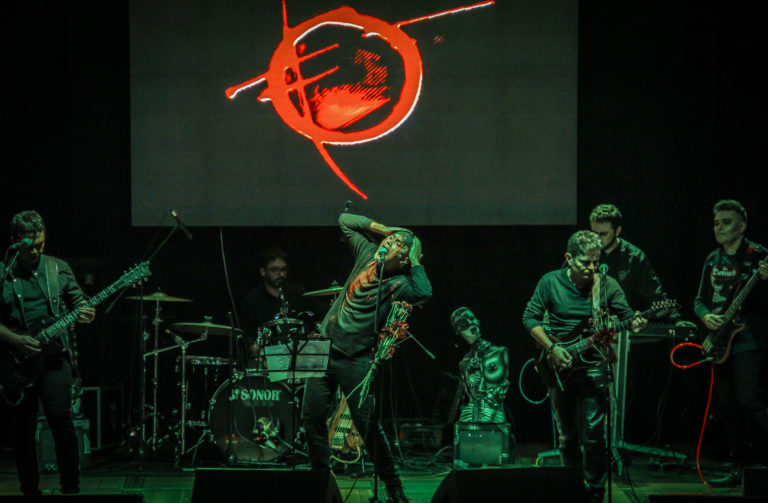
x: 159, y: 482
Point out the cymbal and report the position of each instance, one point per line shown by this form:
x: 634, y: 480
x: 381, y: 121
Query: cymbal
x: 205, y: 327
x: 325, y: 291
x: 158, y: 297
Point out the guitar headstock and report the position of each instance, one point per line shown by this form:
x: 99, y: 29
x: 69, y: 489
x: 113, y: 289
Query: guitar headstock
x: 138, y: 274
x: 659, y: 306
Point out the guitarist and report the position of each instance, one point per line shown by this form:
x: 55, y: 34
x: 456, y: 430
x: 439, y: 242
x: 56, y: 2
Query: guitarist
x: 37, y: 289
x: 567, y: 297
x: 742, y: 379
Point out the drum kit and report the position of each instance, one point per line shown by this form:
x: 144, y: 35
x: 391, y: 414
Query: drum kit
x: 246, y: 406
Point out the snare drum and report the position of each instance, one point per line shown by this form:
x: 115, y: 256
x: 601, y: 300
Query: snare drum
x: 280, y: 331
x: 262, y: 424
x: 204, y: 376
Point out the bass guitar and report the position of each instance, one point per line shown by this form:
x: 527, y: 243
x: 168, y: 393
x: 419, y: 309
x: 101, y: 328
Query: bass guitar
x: 592, y: 334
x: 19, y: 371
x: 343, y: 436
x: 717, y: 344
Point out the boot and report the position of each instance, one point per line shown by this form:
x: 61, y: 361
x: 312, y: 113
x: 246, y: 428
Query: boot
x: 396, y: 494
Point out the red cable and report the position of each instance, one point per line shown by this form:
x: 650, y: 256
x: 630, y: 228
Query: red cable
x: 706, y: 413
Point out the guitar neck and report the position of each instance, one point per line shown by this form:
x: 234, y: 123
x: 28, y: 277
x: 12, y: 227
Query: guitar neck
x: 55, y: 329
x: 730, y: 313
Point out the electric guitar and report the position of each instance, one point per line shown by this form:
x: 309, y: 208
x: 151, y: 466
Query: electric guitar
x: 342, y: 434
x: 597, y: 334
x: 19, y: 371
x: 717, y: 344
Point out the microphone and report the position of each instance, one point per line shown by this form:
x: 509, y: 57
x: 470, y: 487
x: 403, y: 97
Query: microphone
x: 381, y: 254
x: 180, y: 224
x: 603, y: 269
x: 21, y: 245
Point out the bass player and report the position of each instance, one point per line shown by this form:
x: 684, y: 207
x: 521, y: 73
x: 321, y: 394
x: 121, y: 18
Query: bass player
x: 742, y: 379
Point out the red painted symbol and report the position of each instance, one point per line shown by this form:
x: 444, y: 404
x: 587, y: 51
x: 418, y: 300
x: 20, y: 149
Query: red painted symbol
x: 329, y: 112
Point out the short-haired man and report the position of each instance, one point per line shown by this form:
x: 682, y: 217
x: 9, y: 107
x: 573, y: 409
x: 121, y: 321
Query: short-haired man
x: 742, y: 379
x: 40, y: 288
x: 627, y: 263
x: 568, y: 297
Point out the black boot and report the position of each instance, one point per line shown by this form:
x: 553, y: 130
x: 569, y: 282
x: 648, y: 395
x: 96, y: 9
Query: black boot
x: 396, y: 494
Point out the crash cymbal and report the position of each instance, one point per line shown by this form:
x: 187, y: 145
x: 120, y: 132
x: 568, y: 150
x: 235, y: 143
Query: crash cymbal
x: 205, y: 327
x: 326, y: 291
x: 158, y: 297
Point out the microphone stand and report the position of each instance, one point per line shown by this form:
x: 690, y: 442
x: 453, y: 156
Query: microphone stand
x: 143, y: 352
x: 378, y: 393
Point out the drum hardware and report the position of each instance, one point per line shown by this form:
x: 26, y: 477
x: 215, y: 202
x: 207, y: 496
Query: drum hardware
x: 157, y: 298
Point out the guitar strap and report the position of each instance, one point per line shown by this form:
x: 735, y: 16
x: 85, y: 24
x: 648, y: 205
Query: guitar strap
x: 52, y: 282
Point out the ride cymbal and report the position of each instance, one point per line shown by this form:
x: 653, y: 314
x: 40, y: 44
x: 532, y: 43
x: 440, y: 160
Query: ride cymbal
x: 158, y: 297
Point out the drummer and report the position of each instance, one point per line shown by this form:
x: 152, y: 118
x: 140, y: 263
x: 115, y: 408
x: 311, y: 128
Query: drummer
x: 275, y: 297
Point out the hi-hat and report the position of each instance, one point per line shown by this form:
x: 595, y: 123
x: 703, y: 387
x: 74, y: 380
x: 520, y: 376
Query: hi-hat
x: 205, y: 327
x: 158, y: 297
x: 325, y: 291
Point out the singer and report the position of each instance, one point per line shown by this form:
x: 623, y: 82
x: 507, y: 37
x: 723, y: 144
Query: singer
x: 569, y: 296
x: 40, y: 288
x: 353, y: 323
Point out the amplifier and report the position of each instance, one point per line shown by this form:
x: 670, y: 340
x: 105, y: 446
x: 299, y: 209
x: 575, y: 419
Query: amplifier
x: 480, y: 444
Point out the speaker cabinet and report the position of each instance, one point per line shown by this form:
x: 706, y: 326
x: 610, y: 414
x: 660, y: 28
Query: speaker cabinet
x: 242, y: 484
x: 75, y: 498
x: 518, y: 485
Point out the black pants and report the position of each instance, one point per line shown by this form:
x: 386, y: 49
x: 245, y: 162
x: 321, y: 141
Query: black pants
x: 580, y: 413
x: 345, y: 373
x: 54, y: 391
x: 742, y: 390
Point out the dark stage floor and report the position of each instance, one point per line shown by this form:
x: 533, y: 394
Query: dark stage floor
x: 114, y: 472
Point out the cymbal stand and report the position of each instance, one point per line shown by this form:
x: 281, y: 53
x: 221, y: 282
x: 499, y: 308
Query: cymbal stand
x: 155, y: 381
x: 184, y: 394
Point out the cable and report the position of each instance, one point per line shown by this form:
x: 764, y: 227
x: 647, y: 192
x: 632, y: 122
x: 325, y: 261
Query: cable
x: 520, y: 385
x: 226, y: 278
x: 711, y: 490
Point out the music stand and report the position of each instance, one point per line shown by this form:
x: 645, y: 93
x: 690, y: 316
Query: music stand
x: 298, y: 359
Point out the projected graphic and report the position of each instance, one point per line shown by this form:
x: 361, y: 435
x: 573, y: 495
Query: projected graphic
x: 369, y: 95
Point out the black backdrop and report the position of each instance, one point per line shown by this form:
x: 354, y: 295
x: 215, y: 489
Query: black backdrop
x: 671, y: 119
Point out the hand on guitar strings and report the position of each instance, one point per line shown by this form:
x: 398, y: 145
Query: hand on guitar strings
x: 638, y: 323
x: 27, y: 345
x: 712, y: 321
x: 86, y: 314
x: 762, y: 268
x: 561, y: 357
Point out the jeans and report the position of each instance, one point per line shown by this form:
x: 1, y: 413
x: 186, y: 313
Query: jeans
x: 742, y: 391
x: 580, y: 413
x: 346, y: 373
x: 54, y: 391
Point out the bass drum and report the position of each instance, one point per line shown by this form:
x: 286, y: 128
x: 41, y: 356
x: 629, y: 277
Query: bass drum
x: 262, y: 418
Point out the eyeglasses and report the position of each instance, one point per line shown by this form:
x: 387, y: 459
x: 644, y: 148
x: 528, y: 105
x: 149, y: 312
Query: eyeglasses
x: 276, y: 269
